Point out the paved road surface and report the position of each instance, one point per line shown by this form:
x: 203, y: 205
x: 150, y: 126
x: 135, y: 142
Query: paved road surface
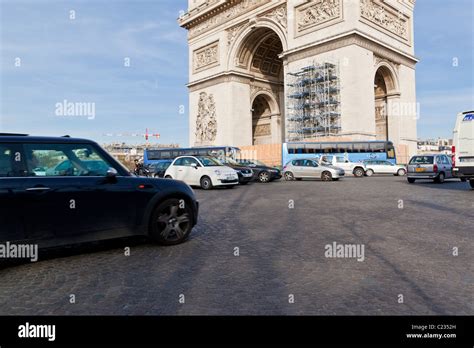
x: 408, y: 251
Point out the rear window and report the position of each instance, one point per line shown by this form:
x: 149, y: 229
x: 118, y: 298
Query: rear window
x: 422, y: 160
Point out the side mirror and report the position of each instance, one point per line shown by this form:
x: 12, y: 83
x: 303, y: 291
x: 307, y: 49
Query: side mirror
x: 194, y: 165
x: 111, y: 173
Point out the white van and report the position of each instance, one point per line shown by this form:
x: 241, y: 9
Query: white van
x: 463, y: 147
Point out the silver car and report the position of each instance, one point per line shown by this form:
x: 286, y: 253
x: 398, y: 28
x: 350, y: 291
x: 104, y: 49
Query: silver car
x: 436, y: 167
x: 310, y: 169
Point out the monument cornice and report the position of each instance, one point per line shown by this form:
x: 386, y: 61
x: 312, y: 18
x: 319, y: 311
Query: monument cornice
x: 352, y: 37
x: 230, y: 76
x: 227, y: 12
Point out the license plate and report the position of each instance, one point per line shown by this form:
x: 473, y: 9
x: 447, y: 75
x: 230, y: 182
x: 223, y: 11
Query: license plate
x: 420, y: 169
x: 230, y: 177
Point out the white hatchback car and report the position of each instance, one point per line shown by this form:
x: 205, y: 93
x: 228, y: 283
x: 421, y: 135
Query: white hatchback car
x: 202, y: 171
x: 384, y: 167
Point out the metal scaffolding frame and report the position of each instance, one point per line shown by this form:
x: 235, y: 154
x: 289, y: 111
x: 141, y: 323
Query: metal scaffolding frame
x: 313, y: 102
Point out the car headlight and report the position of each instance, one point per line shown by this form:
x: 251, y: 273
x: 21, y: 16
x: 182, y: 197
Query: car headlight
x: 218, y: 172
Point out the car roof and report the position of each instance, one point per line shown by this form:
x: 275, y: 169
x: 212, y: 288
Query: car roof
x: 24, y: 138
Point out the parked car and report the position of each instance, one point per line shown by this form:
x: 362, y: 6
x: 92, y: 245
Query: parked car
x: 261, y: 172
x: 436, y: 167
x: 463, y: 147
x: 309, y: 169
x: 204, y: 171
x: 356, y: 169
x: 95, y: 198
x: 245, y: 173
x: 383, y: 167
x: 158, y: 169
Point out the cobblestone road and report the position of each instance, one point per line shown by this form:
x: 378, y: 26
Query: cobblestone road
x: 408, y: 252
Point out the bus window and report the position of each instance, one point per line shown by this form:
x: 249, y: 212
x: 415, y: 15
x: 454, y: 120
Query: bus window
x: 313, y: 148
x: 377, y: 147
x: 164, y: 154
x: 361, y: 147
x: 328, y: 148
x: 390, y: 151
x: 344, y: 147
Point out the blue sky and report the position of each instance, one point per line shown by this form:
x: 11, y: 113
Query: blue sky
x: 82, y: 60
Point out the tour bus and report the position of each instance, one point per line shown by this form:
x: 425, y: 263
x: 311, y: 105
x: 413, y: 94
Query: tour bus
x: 354, y: 151
x: 463, y: 147
x: 222, y: 152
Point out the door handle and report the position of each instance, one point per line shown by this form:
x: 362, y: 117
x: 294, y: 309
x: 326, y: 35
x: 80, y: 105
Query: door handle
x: 37, y: 189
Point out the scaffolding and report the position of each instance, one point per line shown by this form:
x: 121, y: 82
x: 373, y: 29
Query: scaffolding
x: 313, y: 102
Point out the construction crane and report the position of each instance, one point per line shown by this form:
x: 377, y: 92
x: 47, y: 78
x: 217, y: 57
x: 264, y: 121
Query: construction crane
x: 147, y: 135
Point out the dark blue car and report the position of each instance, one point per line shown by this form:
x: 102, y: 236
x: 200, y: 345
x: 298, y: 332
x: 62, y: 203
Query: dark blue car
x: 83, y: 194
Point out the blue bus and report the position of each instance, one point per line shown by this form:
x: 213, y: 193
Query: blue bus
x: 222, y: 152
x: 354, y: 151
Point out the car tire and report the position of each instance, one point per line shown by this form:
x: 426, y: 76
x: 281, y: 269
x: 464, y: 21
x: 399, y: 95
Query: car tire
x: 326, y: 176
x: 263, y: 177
x: 440, y: 178
x: 171, y: 222
x: 471, y: 182
x: 411, y: 180
x: 401, y: 172
x: 156, y: 176
x: 369, y: 172
x: 168, y: 177
x: 358, y: 172
x: 289, y: 176
x: 206, y: 183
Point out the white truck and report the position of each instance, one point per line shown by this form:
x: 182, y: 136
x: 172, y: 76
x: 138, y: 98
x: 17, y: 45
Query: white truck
x: 463, y: 147
x: 357, y: 169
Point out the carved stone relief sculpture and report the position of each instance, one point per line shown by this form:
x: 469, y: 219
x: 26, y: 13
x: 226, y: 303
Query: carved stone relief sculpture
x: 206, y: 123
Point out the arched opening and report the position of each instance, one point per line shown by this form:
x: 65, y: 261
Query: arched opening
x: 384, y: 87
x: 261, y: 121
x: 258, y: 56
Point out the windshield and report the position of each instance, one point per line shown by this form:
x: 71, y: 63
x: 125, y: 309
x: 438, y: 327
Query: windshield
x: 209, y: 161
x: 422, y: 160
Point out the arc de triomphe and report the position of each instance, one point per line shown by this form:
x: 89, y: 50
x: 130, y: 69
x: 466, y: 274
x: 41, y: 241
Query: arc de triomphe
x: 242, y: 53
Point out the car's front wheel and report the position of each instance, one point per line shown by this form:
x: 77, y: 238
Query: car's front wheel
x: 206, y: 183
x: 326, y: 176
x: 359, y: 172
x: 401, y: 172
x: 264, y: 177
x: 289, y: 176
x: 171, y: 222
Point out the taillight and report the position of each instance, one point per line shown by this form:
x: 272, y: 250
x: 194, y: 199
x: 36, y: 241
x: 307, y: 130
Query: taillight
x: 453, y: 156
x: 435, y: 168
